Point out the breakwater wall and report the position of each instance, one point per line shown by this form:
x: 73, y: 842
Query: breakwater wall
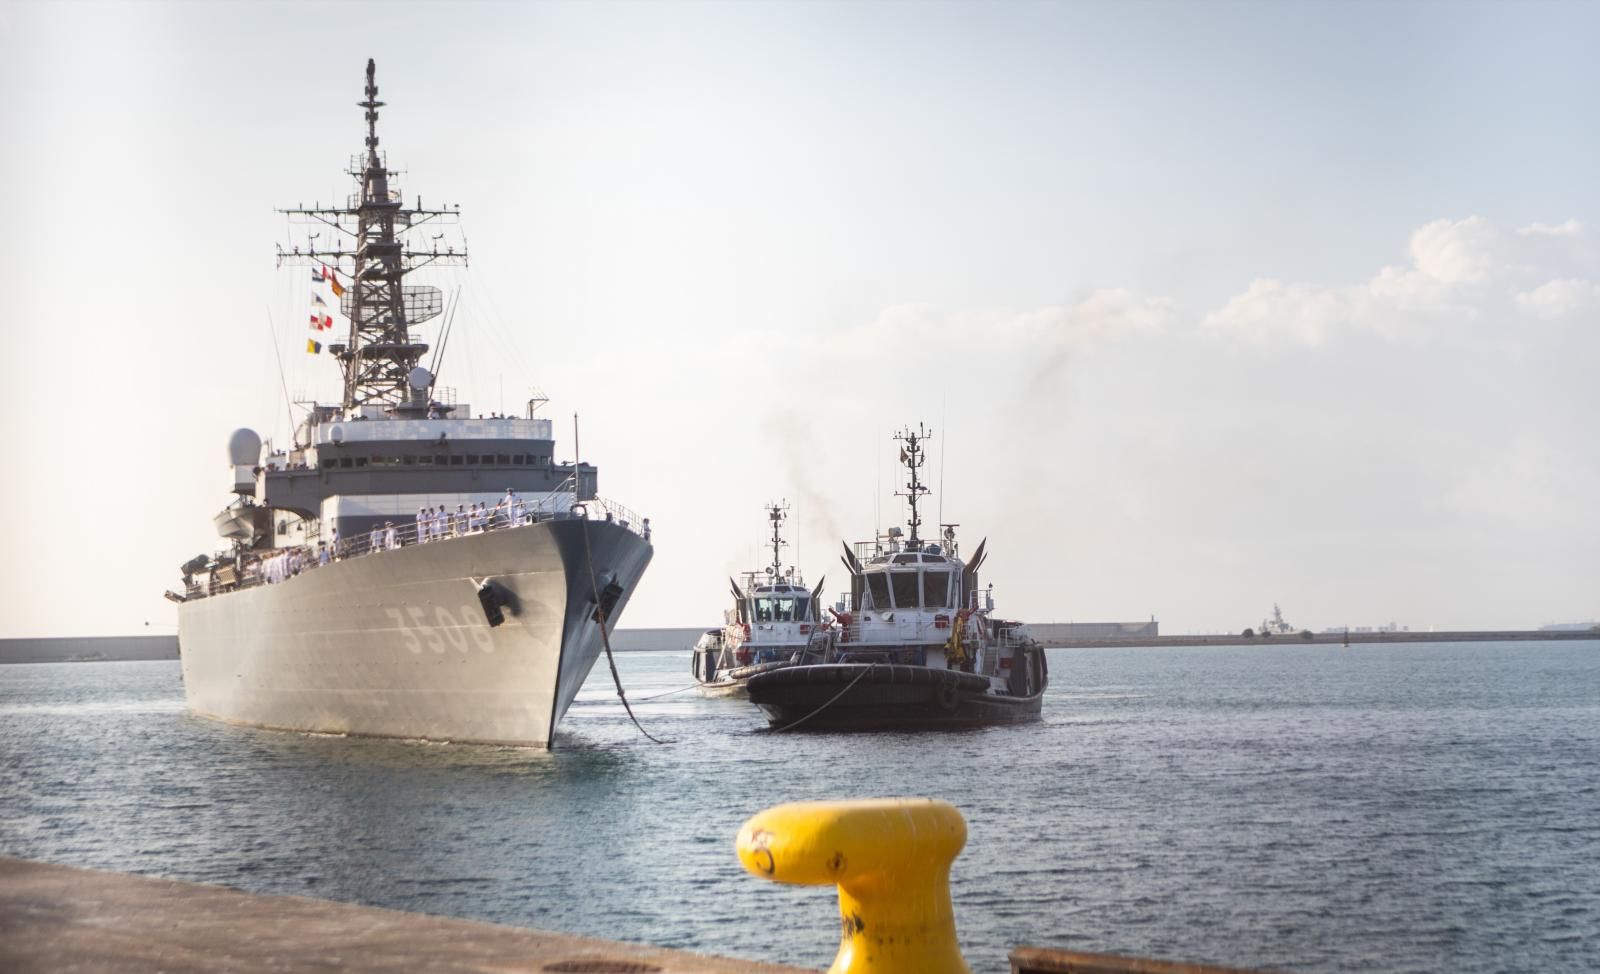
x: 1293, y: 640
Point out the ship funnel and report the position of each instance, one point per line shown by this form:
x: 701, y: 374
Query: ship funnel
x: 244, y: 453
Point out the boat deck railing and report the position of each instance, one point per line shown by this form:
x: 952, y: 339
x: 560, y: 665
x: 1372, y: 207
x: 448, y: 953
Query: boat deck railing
x: 879, y: 638
x: 280, y: 564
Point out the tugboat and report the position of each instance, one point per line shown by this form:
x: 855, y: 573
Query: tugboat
x: 772, y: 624
x: 375, y: 579
x: 917, y: 644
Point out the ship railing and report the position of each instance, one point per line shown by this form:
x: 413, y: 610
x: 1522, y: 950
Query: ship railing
x: 612, y: 511
x: 281, y: 564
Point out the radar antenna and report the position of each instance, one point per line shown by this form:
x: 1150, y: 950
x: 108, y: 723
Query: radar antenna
x: 375, y: 253
x: 913, y: 454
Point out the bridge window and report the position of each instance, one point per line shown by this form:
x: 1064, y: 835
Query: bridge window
x: 455, y: 461
x: 904, y: 585
x: 936, y: 590
x: 878, y: 591
x: 780, y: 609
x: 346, y: 462
x: 472, y: 458
x: 440, y: 460
x: 361, y: 461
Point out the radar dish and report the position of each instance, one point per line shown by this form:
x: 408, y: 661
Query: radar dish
x: 420, y: 378
x: 244, y: 448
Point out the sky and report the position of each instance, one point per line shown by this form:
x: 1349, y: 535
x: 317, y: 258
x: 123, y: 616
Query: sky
x: 1210, y: 306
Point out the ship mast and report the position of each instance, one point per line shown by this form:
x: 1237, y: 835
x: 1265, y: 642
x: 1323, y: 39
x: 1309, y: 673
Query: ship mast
x: 374, y: 240
x: 912, y: 454
x: 777, y: 514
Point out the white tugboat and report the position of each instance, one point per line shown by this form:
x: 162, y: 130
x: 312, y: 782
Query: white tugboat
x: 773, y: 623
x: 918, y: 643
x: 404, y: 569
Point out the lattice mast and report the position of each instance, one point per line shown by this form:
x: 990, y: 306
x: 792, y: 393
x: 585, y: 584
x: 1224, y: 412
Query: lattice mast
x: 912, y: 455
x: 777, y: 514
x: 373, y: 248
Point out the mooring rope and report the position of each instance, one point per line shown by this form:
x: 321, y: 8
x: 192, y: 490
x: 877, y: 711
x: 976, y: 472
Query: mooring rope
x: 852, y: 683
x: 658, y: 696
x: 600, y: 613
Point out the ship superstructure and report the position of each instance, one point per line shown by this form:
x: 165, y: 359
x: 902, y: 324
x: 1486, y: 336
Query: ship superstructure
x: 404, y: 568
x: 774, y: 621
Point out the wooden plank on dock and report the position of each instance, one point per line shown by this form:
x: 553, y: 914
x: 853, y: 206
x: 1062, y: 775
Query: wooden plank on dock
x: 57, y: 918
x: 1051, y: 960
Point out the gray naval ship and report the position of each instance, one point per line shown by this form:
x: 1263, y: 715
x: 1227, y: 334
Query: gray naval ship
x: 403, y: 569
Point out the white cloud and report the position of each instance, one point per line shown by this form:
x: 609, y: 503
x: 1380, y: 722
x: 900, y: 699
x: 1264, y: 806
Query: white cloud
x: 1557, y: 299
x: 1104, y: 316
x: 1460, y: 271
x: 1463, y: 251
x: 1571, y: 228
x: 1268, y: 308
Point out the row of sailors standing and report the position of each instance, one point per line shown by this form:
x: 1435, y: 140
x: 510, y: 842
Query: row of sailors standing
x: 282, y: 565
x: 438, y: 524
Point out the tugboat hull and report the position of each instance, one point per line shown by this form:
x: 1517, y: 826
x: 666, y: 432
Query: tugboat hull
x: 885, y: 696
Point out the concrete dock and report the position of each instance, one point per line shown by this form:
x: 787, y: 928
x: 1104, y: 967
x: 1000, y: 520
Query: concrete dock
x: 57, y: 918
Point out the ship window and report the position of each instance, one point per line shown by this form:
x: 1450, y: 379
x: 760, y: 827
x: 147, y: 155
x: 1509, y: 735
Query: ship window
x: 769, y: 609
x: 905, y: 559
x: 936, y: 589
x: 801, y: 606
x: 440, y: 460
x: 455, y: 461
x: 488, y: 459
x: 519, y: 460
x: 361, y: 461
x: 878, y: 590
x: 503, y: 459
x: 471, y: 458
x: 410, y: 460
x: 345, y: 462
x: 904, y: 585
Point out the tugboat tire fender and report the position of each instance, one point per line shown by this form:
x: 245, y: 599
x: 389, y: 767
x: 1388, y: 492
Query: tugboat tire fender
x: 948, y: 696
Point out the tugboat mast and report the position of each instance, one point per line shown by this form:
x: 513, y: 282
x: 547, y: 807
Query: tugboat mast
x: 912, y: 454
x: 379, y: 360
x: 777, y: 514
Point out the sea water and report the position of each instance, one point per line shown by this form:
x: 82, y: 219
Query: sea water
x: 1427, y: 807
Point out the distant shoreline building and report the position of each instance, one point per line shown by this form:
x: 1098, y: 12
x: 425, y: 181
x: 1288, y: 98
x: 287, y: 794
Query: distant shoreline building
x: 1049, y: 632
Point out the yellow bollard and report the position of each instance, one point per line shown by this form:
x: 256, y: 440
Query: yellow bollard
x: 890, y: 858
